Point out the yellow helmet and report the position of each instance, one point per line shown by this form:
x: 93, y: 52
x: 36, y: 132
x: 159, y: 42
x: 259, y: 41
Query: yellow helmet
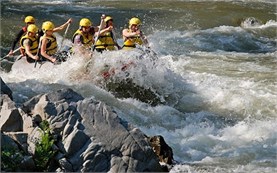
x: 107, y: 18
x: 32, y: 28
x: 134, y: 21
x: 85, y: 22
x: 29, y: 19
x: 47, y: 26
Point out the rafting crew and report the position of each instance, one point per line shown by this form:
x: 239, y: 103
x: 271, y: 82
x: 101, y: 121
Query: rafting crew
x: 87, y: 38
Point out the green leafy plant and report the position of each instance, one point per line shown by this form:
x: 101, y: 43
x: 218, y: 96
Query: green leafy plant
x: 44, y: 152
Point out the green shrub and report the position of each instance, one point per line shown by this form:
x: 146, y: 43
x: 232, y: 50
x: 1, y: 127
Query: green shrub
x: 44, y: 152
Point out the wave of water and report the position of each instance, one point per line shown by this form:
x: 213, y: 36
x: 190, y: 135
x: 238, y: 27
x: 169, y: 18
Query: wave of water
x: 216, y: 85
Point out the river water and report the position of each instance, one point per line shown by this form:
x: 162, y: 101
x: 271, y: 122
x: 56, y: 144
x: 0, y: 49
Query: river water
x: 212, y: 65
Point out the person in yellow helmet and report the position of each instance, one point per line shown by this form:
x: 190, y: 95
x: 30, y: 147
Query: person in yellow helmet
x: 106, y: 39
x: 48, y: 41
x: 28, y: 20
x: 133, y: 35
x: 29, y: 43
x: 83, y: 38
x: 84, y: 35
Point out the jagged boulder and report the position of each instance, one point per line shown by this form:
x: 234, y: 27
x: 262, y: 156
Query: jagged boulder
x: 14, y: 157
x: 5, y: 89
x: 161, y: 148
x: 91, y: 137
x: 10, y: 117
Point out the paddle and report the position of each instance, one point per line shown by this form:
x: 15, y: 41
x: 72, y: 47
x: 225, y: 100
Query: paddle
x: 115, y: 40
x: 98, y: 34
x: 9, y: 55
x: 97, y: 37
x: 66, y: 30
x: 39, y: 45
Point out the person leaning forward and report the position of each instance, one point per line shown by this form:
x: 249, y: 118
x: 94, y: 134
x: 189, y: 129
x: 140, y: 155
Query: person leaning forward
x: 48, y: 41
x: 29, y: 44
x: 83, y: 38
x: 106, y: 39
x: 28, y: 21
x: 133, y: 35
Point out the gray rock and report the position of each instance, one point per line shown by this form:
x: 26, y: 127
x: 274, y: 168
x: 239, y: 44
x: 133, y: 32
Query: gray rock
x: 28, y: 125
x: 90, y: 137
x: 5, y: 89
x: 27, y: 163
x: 33, y: 138
x: 121, y: 143
x: 95, y: 139
x: 64, y: 95
x: 28, y: 106
x: 75, y: 141
x: 65, y: 165
x: 163, y: 151
x: 10, y: 117
x: 7, y: 141
x: 20, y: 138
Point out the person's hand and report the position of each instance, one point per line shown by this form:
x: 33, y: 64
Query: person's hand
x: 110, y: 28
x: 69, y: 21
x: 10, y: 53
x: 53, y: 59
x: 36, y: 57
x: 103, y: 16
x: 137, y: 33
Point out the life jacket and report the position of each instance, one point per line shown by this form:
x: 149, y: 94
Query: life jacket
x: 86, y: 40
x: 22, y: 51
x: 130, y: 42
x: 33, y: 46
x: 52, y: 45
x: 105, y: 41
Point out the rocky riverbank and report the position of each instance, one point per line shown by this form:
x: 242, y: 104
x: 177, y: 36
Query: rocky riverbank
x: 63, y: 132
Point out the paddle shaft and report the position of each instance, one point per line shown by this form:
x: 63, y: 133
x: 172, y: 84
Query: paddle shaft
x: 115, y: 39
x: 16, y: 50
x: 39, y: 45
x: 66, y: 30
x: 98, y: 34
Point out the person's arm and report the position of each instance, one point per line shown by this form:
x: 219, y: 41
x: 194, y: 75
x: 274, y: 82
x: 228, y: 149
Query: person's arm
x: 43, y: 50
x: 62, y: 26
x: 101, y: 27
x: 16, y: 40
x: 77, y: 40
x: 108, y: 29
x: 26, y: 44
x: 78, y: 44
x: 127, y: 34
x: 102, y: 23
